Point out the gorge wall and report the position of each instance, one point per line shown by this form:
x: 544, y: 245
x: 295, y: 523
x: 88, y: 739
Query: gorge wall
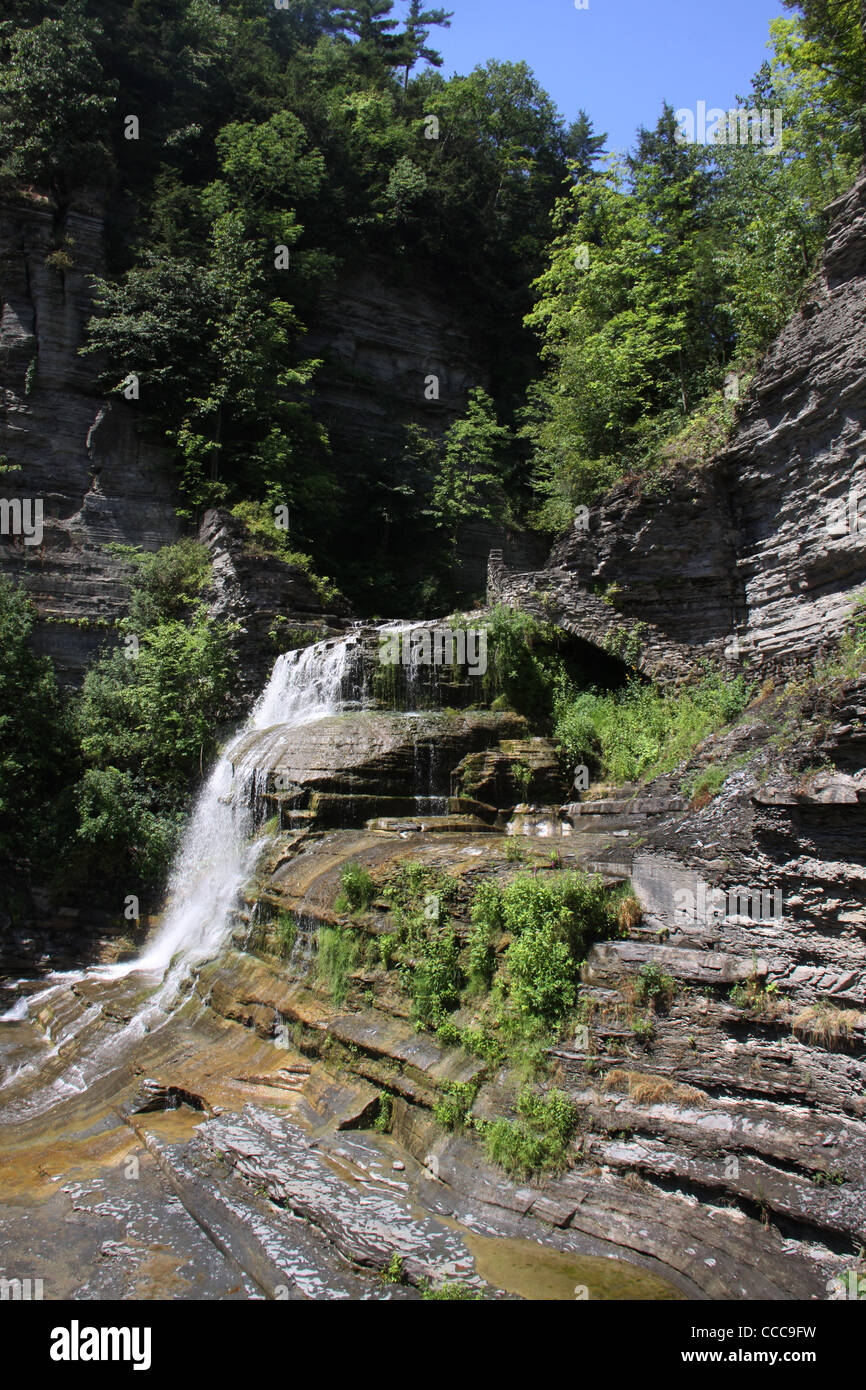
x: 100, y: 481
x: 104, y: 480
x: 757, y: 555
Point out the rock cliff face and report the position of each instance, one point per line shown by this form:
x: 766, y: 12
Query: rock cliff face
x: 99, y: 480
x: 276, y: 607
x: 742, y: 1090
x: 102, y: 480
x: 382, y: 333
x: 380, y: 339
x: 758, y: 555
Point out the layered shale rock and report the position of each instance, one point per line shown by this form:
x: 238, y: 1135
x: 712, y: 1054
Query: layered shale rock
x: 350, y: 767
x: 101, y: 480
x: 756, y: 556
x: 276, y: 606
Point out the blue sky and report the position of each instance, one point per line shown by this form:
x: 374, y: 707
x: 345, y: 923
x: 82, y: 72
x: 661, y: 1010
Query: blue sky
x: 620, y: 59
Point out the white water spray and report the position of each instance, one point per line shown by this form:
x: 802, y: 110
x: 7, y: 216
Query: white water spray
x: 218, y: 853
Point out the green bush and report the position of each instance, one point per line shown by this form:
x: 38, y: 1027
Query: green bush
x: 538, y: 1141
x: 543, y: 974
x: 654, y: 986
x: 437, y: 979
x: 486, y: 917
x: 337, y: 956
x: 394, y: 1272
x: 452, y: 1109
x: 525, y: 668
x: 452, y: 1293
x: 552, y: 919
x: 642, y: 731
x: 119, y: 830
x: 359, y: 890
x: 270, y: 539
x: 37, y: 752
x: 418, y: 895
x: 577, y: 905
x: 166, y: 583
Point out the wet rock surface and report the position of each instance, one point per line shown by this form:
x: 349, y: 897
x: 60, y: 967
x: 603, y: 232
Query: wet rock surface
x: 353, y: 767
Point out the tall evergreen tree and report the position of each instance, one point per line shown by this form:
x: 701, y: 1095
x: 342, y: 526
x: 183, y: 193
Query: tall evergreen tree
x: 418, y: 24
x: 584, y: 147
x: 373, y: 26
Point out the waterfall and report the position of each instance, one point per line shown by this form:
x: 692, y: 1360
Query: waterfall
x: 218, y: 853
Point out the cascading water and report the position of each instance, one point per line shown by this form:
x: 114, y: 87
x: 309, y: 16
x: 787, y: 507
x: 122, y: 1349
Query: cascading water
x: 218, y: 852
x: 220, y: 849
x: 424, y: 768
x: 217, y: 856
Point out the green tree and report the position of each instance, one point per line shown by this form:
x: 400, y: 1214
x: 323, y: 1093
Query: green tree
x: 600, y: 348
x: 54, y: 98
x: 584, y: 147
x: 470, y: 477
x: 373, y: 26
x: 36, y: 749
x: 147, y: 720
x: 819, y: 67
x: 418, y: 24
x: 213, y: 339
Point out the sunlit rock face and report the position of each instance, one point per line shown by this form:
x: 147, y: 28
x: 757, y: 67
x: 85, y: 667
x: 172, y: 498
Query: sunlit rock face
x: 348, y: 768
x: 759, y: 554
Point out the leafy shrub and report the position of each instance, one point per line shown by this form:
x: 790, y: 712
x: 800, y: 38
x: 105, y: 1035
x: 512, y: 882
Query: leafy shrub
x: 270, y: 539
x: 486, y: 918
x: 577, y: 905
x: 641, y: 730
x: 386, y: 944
x: 448, y: 1033
x: 543, y: 974
x: 167, y: 583
x: 525, y: 667
x: 436, y: 981
x: 418, y: 895
x: 552, y: 919
x: 394, y: 1272
x: 359, y: 890
x: 119, y: 829
x: 453, y: 1293
x: 654, y: 986
x: 537, y: 1142
x: 521, y: 776
x: 337, y: 956
x: 35, y: 740
x: 452, y: 1109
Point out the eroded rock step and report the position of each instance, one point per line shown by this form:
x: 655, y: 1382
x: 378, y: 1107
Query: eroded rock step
x: 266, y: 1194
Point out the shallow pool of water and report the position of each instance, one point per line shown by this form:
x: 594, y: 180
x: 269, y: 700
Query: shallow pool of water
x: 539, y: 1273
